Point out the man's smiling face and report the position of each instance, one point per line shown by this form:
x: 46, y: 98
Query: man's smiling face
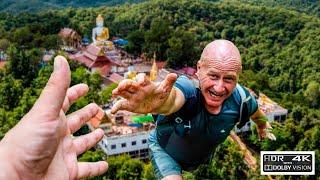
x: 218, y: 71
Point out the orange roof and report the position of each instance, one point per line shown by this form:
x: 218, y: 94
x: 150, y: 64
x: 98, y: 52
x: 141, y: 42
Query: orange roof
x: 95, y: 121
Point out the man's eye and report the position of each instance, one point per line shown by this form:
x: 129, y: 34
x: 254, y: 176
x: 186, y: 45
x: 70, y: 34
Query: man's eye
x: 214, y: 77
x: 229, y: 79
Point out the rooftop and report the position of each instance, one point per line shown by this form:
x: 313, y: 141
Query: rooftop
x: 269, y: 106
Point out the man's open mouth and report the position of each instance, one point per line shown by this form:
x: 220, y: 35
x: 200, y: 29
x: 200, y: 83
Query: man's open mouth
x: 214, y: 94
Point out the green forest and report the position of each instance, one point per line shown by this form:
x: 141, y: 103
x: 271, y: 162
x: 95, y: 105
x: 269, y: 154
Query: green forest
x: 18, y: 6
x: 279, y: 44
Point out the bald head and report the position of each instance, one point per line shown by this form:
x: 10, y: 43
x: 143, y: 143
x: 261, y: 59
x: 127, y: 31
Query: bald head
x: 223, y: 55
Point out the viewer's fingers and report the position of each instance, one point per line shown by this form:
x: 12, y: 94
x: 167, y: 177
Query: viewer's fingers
x: 80, y: 117
x: 91, y: 169
x: 51, y: 99
x: 73, y: 94
x: 122, y: 104
x: 167, y: 84
x: 85, y: 142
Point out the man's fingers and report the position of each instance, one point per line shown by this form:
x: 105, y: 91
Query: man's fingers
x: 271, y: 136
x: 122, y: 104
x: 126, y: 94
x: 142, y: 79
x: 167, y: 84
x: 170, y: 80
x: 127, y: 83
x: 51, y: 99
x: 73, y: 94
x: 80, y: 117
x: 85, y: 142
x: 90, y: 169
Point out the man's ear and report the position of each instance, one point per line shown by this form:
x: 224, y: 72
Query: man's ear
x: 198, y: 69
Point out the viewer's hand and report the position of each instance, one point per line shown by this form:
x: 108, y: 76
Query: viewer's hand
x: 265, y: 132
x: 142, y: 96
x: 41, y: 145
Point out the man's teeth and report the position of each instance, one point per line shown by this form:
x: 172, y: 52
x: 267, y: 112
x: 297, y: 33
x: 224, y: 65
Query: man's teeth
x: 212, y: 94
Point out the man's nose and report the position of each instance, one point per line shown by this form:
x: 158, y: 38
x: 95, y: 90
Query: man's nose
x: 219, y: 87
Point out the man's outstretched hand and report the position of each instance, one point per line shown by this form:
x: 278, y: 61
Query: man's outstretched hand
x: 41, y: 145
x: 265, y: 132
x: 142, y: 95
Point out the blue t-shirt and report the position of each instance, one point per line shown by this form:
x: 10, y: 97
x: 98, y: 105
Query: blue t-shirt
x: 191, y: 138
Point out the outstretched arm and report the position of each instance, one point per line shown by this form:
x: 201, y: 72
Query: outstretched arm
x: 145, y: 96
x: 263, y: 126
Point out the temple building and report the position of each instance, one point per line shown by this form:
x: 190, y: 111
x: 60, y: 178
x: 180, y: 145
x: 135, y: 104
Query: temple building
x: 70, y: 38
x: 95, y: 59
x: 273, y: 111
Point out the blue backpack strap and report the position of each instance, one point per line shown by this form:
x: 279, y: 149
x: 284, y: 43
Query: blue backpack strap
x: 244, y: 114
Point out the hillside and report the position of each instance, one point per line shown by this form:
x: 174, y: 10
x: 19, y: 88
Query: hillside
x: 18, y: 6
x: 279, y: 49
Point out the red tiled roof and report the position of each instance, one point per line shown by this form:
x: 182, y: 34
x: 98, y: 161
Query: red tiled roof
x: 82, y: 59
x: 90, y: 56
x: 116, y: 78
x: 94, y: 50
x: 100, y: 64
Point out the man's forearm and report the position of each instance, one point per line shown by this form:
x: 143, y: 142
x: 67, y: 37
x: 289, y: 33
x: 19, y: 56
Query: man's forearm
x: 260, y: 119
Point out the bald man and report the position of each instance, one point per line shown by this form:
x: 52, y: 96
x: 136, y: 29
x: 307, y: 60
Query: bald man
x: 192, y: 121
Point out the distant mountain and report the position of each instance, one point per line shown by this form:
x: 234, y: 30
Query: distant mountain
x: 18, y: 6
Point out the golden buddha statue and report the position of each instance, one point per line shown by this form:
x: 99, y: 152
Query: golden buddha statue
x: 100, y: 34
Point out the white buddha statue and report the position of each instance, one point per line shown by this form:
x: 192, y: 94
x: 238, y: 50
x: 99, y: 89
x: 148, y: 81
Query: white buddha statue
x: 100, y: 34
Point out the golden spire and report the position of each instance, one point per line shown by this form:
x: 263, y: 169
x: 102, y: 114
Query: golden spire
x: 154, y: 56
x: 154, y: 69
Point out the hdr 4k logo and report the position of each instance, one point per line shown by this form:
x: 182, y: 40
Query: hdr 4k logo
x: 287, y: 162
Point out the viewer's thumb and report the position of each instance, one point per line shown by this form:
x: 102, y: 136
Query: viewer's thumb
x: 53, y: 94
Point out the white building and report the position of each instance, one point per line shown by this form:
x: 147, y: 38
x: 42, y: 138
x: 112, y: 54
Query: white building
x: 134, y: 144
x: 272, y: 110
